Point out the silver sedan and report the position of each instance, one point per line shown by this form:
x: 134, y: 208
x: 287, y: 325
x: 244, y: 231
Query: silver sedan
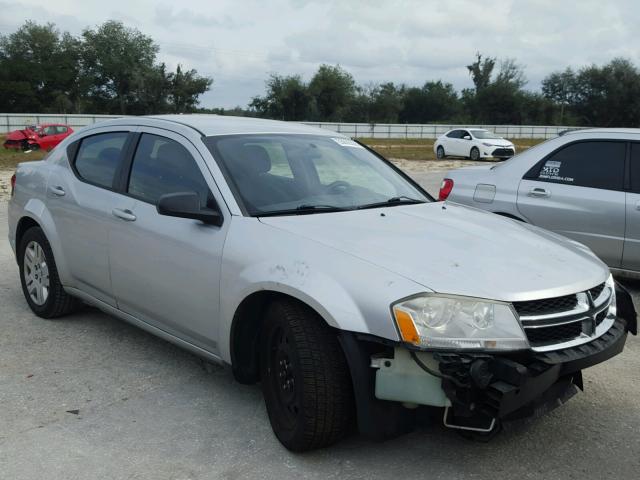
x: 584, y: 185
x: 308, y: 263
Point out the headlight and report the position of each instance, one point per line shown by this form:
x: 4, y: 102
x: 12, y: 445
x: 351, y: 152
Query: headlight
x: 451, y: 322
x: 486, y: 144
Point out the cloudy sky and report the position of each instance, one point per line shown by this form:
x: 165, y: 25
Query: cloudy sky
x: 240, y: 42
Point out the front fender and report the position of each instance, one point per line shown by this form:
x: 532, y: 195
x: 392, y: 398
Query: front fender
x: 350, y: 294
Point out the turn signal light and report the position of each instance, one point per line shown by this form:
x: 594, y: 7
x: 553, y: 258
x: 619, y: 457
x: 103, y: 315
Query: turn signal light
x: 445, y: 189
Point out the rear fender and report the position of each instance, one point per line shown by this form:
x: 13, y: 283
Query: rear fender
x: 37, y: 210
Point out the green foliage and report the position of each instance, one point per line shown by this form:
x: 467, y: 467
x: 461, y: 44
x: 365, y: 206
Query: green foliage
x: 39, y: 70
x: 287, y: 98
x: 109, y: 69
x: 434, y: 102
x: 333, y: 89
x: 607, y: 96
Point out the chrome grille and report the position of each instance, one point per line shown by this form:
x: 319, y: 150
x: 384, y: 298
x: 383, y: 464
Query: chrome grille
x: 552, y: 323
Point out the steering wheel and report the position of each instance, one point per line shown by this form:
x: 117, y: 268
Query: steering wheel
x: 338, y: 186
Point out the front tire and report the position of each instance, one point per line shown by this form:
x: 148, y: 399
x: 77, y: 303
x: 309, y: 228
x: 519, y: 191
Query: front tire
x: 440, y: 153
x: 305, y: 378
x: 474, y: 154
x: 39, y: 277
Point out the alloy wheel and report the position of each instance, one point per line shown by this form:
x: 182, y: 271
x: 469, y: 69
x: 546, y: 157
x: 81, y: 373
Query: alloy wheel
x: 36, y: 273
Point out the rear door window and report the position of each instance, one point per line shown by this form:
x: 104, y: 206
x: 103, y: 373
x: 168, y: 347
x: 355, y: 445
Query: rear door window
x: 594, y: 164
x: 455, y: 134
x: 99, y: 156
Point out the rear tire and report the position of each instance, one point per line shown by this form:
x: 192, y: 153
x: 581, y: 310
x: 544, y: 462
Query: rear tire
x: 474, y: 154
x: 39, y: 277
x: 440, y: 153
x: 305, y: 378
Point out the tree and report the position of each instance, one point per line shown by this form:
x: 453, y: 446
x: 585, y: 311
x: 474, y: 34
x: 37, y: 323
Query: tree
x: 511, y: 74
x: 333, y: 89
x: 117, y: 61
x: 434, y: 101
x: 559, y: 87
x: 286, y: 98
x: 39, y: 70
x: 481, y: 71
x: 607, y: 96
x: 386, y: 102
x: 184, y: 89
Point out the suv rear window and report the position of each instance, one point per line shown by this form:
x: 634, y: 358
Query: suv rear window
x: 594, y: 164
x: 99, y: 156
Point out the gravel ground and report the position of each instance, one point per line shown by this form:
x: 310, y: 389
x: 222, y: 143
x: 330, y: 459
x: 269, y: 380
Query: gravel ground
x: 90, y: 397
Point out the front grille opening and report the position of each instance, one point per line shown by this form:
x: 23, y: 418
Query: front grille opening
x: 546, y: 306
x: 556, y: 334
x: 600, y: 317
x: 596, y: 291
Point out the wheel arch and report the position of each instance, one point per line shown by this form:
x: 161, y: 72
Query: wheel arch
x: 245, y: 332
x: 36, y: 213
x: 511, y: 216
x: 24, y: 224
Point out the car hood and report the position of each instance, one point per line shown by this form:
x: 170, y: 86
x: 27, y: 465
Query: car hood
x: 20, y: 134
x: 499, y: 142
x: 453, y: 249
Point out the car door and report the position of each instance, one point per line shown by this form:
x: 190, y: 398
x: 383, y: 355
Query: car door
x: 81, y: 198
x: 47, y: 137
x: 631, y: 254
x: 166, y: 270
x: 464, y: 143
x: 452, y: 139
x: 577, y: 191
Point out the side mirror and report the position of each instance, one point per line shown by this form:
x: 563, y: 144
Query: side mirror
x: 467, y: 137
x: 187, y: 205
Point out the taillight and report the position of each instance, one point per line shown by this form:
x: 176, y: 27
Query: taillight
x: 445, y: 189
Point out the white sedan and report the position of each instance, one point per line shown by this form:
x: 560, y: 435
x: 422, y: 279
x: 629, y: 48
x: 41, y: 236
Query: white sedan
x: 473, y: 143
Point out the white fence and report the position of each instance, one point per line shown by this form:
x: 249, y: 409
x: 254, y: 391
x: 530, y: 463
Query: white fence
x: 13, y: 121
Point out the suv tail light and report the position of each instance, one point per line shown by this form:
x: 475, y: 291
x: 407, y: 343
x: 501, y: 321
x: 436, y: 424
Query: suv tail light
x: 13, y: 183
x: 445, y: 189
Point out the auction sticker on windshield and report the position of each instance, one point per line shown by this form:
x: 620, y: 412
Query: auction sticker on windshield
x: 347, y: 142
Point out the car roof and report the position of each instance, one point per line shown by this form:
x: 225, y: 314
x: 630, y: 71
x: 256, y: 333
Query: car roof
x: 212, y: 125
x: 623, y: 131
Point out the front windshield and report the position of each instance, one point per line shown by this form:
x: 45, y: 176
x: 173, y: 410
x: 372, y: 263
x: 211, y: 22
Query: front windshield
x: 284, y: 173
x: 484, y: 134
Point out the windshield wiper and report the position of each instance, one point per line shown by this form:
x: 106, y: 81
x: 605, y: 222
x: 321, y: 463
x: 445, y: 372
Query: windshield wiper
x: 303, y: 210
x: 401, y: 200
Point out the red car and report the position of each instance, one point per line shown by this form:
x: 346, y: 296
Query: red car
x: 36, y: 137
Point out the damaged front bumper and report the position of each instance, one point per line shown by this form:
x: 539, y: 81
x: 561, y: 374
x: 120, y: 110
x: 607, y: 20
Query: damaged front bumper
x: 476, y: 389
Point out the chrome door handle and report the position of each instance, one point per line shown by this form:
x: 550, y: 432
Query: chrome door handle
x: 57, y: 191
x: 126, y: 215
x: 539, y: 192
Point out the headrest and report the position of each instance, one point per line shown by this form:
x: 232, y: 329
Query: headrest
x: 171, y: 152
x: 254, y: 160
